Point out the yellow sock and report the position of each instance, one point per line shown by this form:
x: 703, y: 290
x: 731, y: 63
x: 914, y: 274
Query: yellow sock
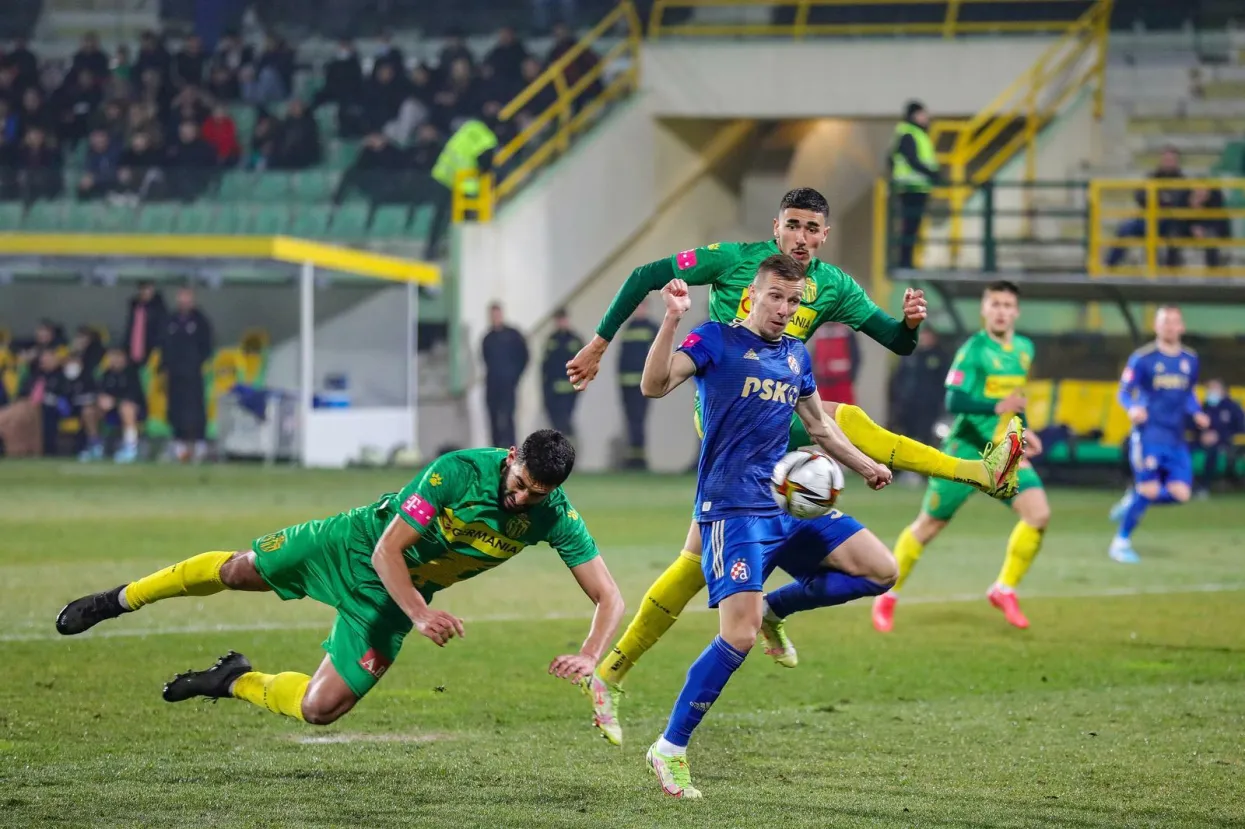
x: 899, y: 452
x: 1022, y: 548
x: 907, y: 551
x: 197, y: 576
x: 659, y: 609
x: 280, y: 693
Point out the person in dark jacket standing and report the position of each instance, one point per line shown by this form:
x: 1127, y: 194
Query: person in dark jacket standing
x: 505, y: 359
x: 559, y: 394
x: 144, y: 326
x: 185, y: 347
x: 914, y: 172
x: 637, y: 336
x: 917, y: 388
x: 1227, y: 421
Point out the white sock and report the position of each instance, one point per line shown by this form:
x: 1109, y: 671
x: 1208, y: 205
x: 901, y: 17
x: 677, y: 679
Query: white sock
x: 131, y: 436
x: 121, y: 598
x: 666, y: 747
x: 1003, y: 588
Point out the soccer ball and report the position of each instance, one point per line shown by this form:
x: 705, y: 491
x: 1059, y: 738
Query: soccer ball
x: 806, y: 484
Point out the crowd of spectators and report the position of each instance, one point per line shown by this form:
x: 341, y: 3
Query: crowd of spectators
x: 157, y: 123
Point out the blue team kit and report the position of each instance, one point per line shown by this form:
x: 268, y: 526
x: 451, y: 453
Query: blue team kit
x: 1163, y: 384
x: 749, y: 387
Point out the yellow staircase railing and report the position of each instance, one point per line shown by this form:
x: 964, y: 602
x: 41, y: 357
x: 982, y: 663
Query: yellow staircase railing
x: 943, y: 18
x: 543, y: 135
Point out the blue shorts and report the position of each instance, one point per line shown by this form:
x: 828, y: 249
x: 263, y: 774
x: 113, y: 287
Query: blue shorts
x: 739, y: 553
x: 1163, y: 462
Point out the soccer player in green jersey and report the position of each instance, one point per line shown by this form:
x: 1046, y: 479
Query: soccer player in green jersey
x: 985, y: 389
x: 380, y: 566
x: 830, y: 295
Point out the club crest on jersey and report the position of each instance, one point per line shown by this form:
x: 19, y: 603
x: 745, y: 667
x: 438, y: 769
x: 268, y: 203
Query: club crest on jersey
x: 739, y: 571
x: 810, y: 292
x: 271, y: 543
x: 794, y: 363
x: 517, y: 526
x: 1184, y: 366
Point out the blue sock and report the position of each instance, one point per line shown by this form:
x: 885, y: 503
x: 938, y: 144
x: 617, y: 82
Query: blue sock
x: 1165, y: 497
x: 705, y: 681
x: 829, y: 587
x: 1132, y: 516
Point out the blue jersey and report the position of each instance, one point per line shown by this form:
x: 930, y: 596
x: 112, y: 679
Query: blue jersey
x: 748, y: 388
x: 1162, y: 384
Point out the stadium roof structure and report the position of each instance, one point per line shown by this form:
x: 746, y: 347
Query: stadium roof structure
x: 1080, y: 287
x: 110, y: 257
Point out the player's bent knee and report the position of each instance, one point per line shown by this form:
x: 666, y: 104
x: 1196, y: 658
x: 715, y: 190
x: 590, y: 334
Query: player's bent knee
x: 1149, y: 490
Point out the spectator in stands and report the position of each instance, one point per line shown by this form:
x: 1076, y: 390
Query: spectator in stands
x: 383, y: 98
x: 913, y: 173
x: 185, y: 347
x: 152, y: 57
x: 39, y: 166
x: 155, y: 92
x: 458, y: 99
x: 1209, y: 228
x: 299, y: 139
x: 141, y: 118
x: 1168, y: 199
x: 389, y: 55
x: 542, y: 100
x: 144, y: 324
x: 343, y: 86
x: 190, y: 64
x: 90, y: 57
x: 425, y: 149
x: 1227, y: 421
x: 76, y: 100
x: 140, y: 174
x: 10, y: 124
x: 10, y: 91
x: 99, y: 176
x: 582, y: 64
x: 507, y: 55
x: 190, y: 162
x: 24, y: 63
x: 189, y: 104
x: 223, y: 84
x: 35, y: 113
x: 121, y: 80
x: 274, y: 72
x: 221, y: 132
x: 264, y: 142
x: 375, y: 172
x: 546, y: 12
x: 121, y: 398
x: 453, y: 50
x: 505, y: 359
x: 113, y: 120
x: 231, y: 54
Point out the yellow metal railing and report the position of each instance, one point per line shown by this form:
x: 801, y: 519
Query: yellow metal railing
x: 544, y: 135
x: 1119, y: 220
x: 981, y: 145
x: 944, y: 19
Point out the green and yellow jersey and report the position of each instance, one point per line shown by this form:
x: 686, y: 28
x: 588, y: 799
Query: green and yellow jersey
x: 728, y: 268
x: 984, y: 372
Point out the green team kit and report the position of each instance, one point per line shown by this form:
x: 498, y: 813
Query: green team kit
x: 984, y: 372
x: 728, y: 268
x: 464, y: 532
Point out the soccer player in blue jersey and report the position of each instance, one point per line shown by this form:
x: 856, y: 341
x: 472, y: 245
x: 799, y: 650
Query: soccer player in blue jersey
x: 1157, y: 391
x: 750, y: 378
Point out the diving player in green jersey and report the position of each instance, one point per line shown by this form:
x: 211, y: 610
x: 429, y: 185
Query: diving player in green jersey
x: 985, y: 389
x: 830, y: 295
x: 379, y: 566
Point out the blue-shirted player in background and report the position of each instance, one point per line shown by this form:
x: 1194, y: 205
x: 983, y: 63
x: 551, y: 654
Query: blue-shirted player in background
x: 1157, y: 391
x: 750, y: 378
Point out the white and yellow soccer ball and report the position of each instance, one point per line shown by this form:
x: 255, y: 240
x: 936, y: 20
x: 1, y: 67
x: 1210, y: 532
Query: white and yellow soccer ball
x: 806, y: 484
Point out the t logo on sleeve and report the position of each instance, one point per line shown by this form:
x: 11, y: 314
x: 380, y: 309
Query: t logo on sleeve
x: 419, y: 509
x: 685, y: 260
x: 690, y: 340
x: 955, y: 377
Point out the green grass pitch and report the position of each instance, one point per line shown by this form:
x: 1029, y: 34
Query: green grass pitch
x: 1123, y: 705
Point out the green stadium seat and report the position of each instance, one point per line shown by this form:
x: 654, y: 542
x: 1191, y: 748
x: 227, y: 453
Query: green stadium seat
x: 46, y: 217
x: 421, y: 221
x: 267, y: 220
x: 326, y: 121
x: 157, y: 218
x: 312, y: 185
x: 104, y: 218
x: 225, y: 221
x: 312, y: 221
x: 11, y: 215
x: 340, y: 154
x: 236, y: 186
x: 350, y: 221
x: 391, y: 220
x: 271, y: 186
x: 195, y: 218
x: 244, y: 118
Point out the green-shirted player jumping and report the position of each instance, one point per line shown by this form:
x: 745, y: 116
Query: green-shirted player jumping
x: 985, y: 389
x: 831, y: 295
x: 379, y: 566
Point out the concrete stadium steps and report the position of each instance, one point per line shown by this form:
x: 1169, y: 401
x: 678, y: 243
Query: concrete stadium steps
x: 1217, y: 108
x: 116, y: 21
x: 1167, y: 125
x: 1187, y: 144
x: 1228, y: 89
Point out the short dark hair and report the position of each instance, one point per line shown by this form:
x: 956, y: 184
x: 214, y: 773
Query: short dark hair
x: 1003, y: 286
x: 548, y: 457
x: 782, y: 267
x: 805, y: 198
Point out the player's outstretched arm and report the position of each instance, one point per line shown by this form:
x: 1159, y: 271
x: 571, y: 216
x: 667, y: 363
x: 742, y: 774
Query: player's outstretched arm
x: 827, y: 434
x: 598, y: 585
x: 390, y: 565
x: 666, y: 369
x: 898, y: 336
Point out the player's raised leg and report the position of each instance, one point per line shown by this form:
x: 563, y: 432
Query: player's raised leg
x: 834, y: 560
x: 201, y: 575
x: 994, y: 473
x: 1023, y: 545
